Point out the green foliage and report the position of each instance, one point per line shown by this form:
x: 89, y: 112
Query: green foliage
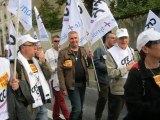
x: 128, y: 8
x: 50, y: 16
x: 61, y: 2
x: 120, y: 8
x: 88, y: 5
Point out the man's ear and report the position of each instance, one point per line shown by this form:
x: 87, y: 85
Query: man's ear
x: 145, y: 49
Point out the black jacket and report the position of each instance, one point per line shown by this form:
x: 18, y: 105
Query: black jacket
x: 142, y: 94
x: 100, y: 65
x: 20, y: 101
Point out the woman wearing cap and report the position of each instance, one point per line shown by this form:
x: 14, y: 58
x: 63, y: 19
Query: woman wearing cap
x: 142, y: 89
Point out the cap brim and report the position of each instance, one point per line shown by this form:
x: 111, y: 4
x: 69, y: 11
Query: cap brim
x: 123, y: 35
x: 32, y: 40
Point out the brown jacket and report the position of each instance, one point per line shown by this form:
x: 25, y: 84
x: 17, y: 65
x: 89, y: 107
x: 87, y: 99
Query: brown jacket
x: 66, y: 73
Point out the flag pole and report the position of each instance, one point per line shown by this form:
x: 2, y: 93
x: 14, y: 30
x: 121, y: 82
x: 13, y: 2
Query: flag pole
x: 17, y: 28
x: 3, y: 30
x: 89, y: 46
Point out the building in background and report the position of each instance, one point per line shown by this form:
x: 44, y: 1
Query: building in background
x: 5, y: 18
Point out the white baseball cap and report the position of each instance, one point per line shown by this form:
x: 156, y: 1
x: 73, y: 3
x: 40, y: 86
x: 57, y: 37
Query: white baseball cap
x: 122, y: 32
x: 146, y: 36
x: 26, y: 38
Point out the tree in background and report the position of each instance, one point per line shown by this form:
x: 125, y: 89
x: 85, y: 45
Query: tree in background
x: 88, y: 4
x: 50, y: 15
x: 122, y: 9
x: 60, y: 2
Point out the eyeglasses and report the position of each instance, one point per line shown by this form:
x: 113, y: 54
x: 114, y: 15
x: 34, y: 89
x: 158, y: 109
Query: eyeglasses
x: 56, y: 41
x: 122, y: 38
x: 29, y: 45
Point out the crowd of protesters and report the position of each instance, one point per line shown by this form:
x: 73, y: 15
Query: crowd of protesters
x: 123, y: 80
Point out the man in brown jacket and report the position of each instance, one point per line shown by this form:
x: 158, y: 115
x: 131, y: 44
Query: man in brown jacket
x: 73, y: 74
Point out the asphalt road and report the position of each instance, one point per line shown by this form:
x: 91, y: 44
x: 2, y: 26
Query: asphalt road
x: 89, y: 106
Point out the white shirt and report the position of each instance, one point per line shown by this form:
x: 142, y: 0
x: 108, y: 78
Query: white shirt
x: 122, y: 57
x: 52, y: 57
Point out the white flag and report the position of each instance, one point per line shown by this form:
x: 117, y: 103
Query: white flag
x: 1, y: 1
x: 35, y: 36
x: 76, y: 18
x: 153, y: 21
x: 42, y: 31
x: 12, y: 40
x: 25, y: 12
x: 102, y: 20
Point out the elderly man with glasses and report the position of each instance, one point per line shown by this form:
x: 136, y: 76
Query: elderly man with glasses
x: 119, y: 61
x: 33, y: 91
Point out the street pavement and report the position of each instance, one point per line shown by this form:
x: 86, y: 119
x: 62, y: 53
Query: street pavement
x: 91, y: 97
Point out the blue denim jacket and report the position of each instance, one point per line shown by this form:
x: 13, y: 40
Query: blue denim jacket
x: 100, y: 65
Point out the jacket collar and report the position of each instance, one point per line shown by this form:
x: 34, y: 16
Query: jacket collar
x: 70, y: 52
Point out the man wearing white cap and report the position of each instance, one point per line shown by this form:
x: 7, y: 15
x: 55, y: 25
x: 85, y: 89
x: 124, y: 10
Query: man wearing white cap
x: 32, y: 74
x: 119, y: 61
x: 142, y: 88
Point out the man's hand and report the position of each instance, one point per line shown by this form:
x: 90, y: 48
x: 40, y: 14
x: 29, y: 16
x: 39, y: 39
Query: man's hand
x: 130, y: 66
x: 41, y: 56
x: 14, y: 84
x: 64, y: 92
x: 90, y: 54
